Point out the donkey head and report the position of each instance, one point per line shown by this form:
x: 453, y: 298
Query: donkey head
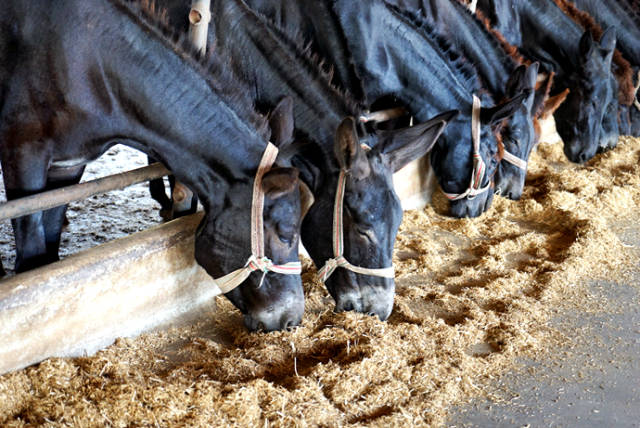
x: 519, y: 135
x: 579, y: 118
x: 268, y: 300
x: 452, y: 157
x: 371, y: 211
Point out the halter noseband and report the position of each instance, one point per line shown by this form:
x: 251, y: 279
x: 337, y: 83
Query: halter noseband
x: 258, y: 261
x: 479, y: 167
x: 338, y: 259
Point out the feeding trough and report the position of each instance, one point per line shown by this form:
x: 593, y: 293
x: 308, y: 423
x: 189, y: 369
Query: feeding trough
x: 84, y: 302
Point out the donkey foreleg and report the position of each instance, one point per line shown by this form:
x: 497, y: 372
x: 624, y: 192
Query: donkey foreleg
x: 54, y: 219
x: 25, y: 173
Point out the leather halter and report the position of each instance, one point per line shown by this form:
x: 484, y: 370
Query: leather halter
x: 258, y: 261
x: 514, y: 160
x: 479, y: 167
x: 338, y: 248
x: 338, y: 259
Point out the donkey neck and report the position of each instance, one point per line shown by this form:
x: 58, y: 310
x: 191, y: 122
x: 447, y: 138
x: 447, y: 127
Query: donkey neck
x: 393, y: 56
x: 614, y: 13
x: 314, y: 22
x: 276, y: 66
x: 159, y: 99
x: 548, y: 35
x: 470, y: 37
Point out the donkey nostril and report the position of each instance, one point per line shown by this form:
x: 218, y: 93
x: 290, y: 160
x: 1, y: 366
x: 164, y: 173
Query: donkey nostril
x: 289, y: 325
x: 582, y: 157
x: 348, y: 305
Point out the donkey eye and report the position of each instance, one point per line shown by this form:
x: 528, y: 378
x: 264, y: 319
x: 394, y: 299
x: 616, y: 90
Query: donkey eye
x: 362, y: 231
x: 285, y: 239
x: 286, y: 235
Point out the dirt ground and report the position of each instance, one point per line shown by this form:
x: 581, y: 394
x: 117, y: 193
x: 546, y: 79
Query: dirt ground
x: 475, y: 298
x: 100, y: 218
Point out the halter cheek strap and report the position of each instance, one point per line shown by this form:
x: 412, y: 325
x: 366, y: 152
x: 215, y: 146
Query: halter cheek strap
x: 339, y: 261
x: 479, y: 167
x: 514, y: 160
x: 258, y: 261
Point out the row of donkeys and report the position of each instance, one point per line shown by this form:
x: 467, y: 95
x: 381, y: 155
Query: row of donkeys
x: 306, y: 99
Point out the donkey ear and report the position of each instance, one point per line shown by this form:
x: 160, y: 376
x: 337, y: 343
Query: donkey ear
x: 552, y: 104
x: 587, y: 45
x: 608, y: 39
x: 515, y: 80
x: 494, y: 115
x: 531, y: 76
x: 542, y: 94
x: 281, y: 122
x: 405, y: 145
x: 522, y: 78
x: 278, y: 182
x: 608, y: 42
x: 351, y: 156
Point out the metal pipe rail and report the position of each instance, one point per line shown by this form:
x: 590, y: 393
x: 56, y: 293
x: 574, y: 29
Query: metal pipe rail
x: 62, y: 196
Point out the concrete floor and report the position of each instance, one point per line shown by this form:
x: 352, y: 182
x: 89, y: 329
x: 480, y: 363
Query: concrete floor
x: 592, y: 381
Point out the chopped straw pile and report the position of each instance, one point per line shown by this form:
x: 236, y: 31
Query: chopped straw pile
x: 472, y: 295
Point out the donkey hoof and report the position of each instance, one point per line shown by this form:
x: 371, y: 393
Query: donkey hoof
x: 166, y: 215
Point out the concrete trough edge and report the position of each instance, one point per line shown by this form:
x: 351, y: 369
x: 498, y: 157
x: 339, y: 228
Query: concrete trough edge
x: 123, y: 288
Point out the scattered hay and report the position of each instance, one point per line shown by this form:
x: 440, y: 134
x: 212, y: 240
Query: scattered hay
x: 472, y: 295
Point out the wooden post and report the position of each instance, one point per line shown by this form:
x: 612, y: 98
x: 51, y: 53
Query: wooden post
x: 472, y: 5
x: 199, y: 18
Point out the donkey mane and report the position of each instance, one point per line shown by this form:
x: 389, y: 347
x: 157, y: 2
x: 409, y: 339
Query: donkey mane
x: 632, y: 8
x: 455, y: 58
x: 315, y: 63
x: 514, y: 53
x: 510, y: 49
x: 623, y: 70
x: 233, y: 90
x: 496, y: 42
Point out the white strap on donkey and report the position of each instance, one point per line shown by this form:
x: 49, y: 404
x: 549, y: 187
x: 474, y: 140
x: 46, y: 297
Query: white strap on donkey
x: 258, y: 261
x: 338, y: 248
x: 479, y: 167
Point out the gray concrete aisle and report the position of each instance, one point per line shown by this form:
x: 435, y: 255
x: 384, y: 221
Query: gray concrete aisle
x: 591, y: 381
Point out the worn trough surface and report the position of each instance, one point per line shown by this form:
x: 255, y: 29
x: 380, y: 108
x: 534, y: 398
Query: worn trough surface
x: 122, y: 288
